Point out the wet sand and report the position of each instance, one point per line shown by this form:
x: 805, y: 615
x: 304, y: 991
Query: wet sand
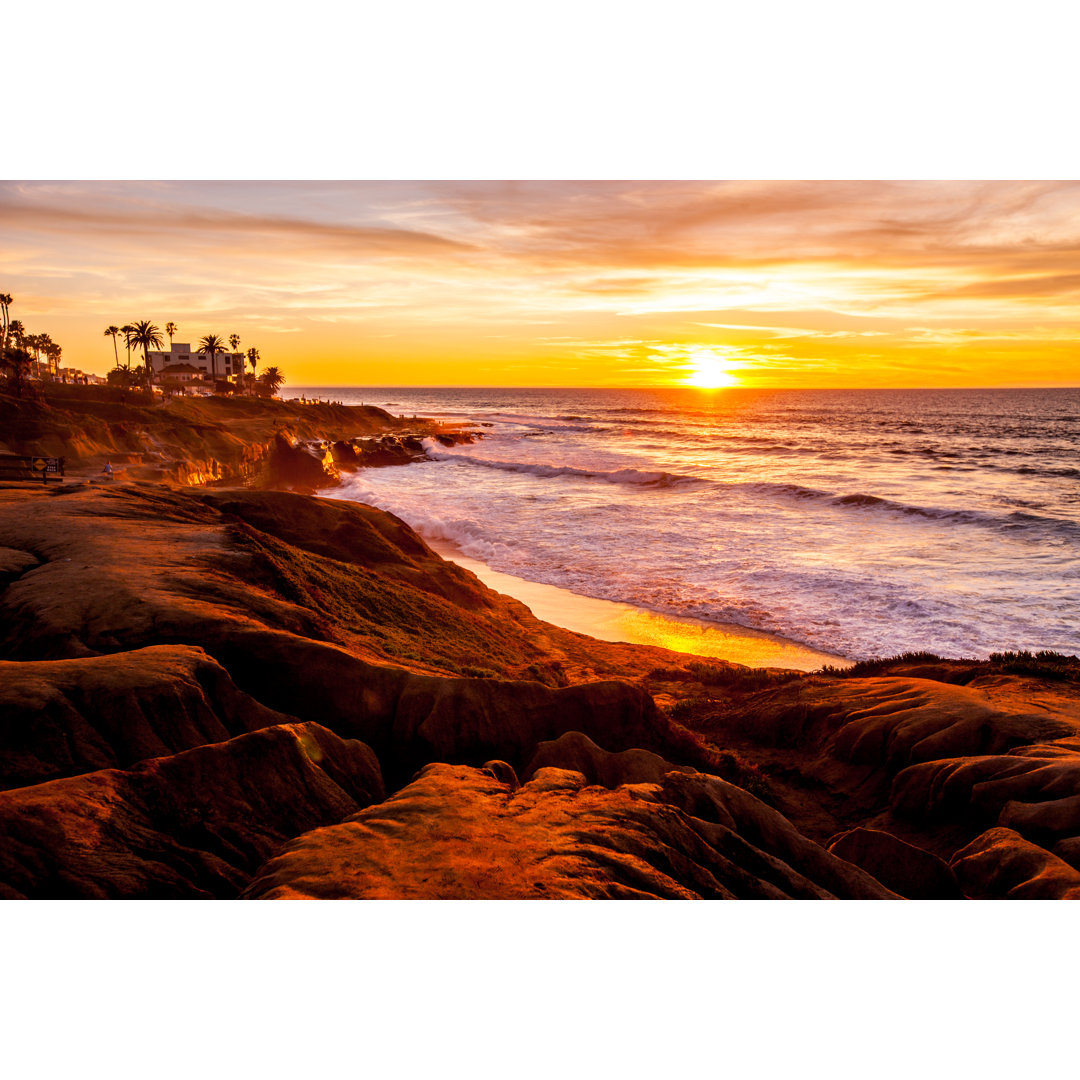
x: 612, y: 621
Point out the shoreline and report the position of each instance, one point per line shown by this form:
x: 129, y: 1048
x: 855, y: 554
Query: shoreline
x: 617, y: 621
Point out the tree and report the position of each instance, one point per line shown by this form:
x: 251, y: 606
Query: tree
x: 17, y: 362
x: 44, y: 347
x: 212, y: 344
x: 17, y: 331
x: 54, y: 352
x: 5, y: 314
x: 253, y: 359
x: 112, y: 331
x: 234, y: 344
x: 120, y: 376
x: 270, y: 381
x: 170, y: 329
x: 127, y: 330
x: 145, y: 334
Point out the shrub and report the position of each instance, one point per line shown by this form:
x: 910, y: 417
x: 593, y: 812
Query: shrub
x: 1044, y: 664
x: 878, y: 664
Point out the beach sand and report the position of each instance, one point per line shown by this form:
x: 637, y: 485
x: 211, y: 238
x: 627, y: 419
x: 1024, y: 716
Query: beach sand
x: 612, y: 621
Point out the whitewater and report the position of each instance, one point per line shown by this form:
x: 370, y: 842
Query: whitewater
x: 861, y: 523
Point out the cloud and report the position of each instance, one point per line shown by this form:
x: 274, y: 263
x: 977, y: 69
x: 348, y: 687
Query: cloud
x: 23, y: 208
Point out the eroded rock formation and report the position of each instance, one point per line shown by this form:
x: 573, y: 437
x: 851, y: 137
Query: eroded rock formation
x: 216, y: 693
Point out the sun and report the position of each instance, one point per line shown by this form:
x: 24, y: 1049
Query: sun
x: 710, y: 371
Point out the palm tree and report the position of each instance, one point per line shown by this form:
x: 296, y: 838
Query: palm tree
x: 45, y: 346
x: 143, y: 335
x: 170, y: 329
x: 5, y: 303
x: 253, y: 359
x: 234, y: 344
x: 17, y: 331
x: 212, y: 344
x: 17, y: 362
x: 127, y: 330
x: 54, y: 352
x: 271, y: 379
x: 112, y: 331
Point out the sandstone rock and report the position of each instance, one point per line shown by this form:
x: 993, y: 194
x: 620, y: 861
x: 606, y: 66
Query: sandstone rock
x: 1001, y: 864
x: 14, y: 564
x: 300, y: 467
x: 459, y: 833
x: 1045, y: 821
x: 502, y: 772
x: 985, y: 784
x: 1069, y: 851
x: 902, y: 867
x: 192, y: 825
x: 895, y: 722
x: 61, y: 717
x: 578, y: 752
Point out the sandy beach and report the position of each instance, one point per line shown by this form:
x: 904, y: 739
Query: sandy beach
x: 608, y: 620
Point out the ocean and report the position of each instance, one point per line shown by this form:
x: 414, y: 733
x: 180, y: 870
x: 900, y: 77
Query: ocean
x: 858, y: 522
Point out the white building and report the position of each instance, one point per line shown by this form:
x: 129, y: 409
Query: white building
x: 228, y: 364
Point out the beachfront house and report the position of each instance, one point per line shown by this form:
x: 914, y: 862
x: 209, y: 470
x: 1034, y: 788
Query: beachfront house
x: 228, y: 365
x: 179, y: 373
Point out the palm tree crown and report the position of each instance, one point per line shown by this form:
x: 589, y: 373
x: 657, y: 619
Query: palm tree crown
x: 145, y: 335
x: 212, y: 344
x: 5, y: 302
x: 112, y: 331
x: 253, y: 359
x: 170, y: 329
x: 127, y: 330
x: 272, y: 379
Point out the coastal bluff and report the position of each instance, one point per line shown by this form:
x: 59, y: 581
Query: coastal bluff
x: 210, y: 440
x: 222, y: 693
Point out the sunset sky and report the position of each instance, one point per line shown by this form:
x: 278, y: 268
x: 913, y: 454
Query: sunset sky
x: 591, y: 283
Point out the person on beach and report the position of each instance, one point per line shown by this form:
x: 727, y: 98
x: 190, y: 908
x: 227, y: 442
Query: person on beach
x: 107, y: 470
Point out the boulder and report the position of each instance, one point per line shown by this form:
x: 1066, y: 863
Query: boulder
x: 62, y: 717
x: 902, y: 867
x: 192, y: 825
x: 301, y: 467
x: 578, y: 752
x: 984, y: 784
x: 1001, y: 865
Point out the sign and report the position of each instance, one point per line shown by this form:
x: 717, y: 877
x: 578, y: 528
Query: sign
x: 41, y: 464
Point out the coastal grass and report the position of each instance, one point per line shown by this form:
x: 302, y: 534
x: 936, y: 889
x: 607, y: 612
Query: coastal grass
x: 877, y: 665
x: 1044, y: 664
x: 354, y: 606
x: 728, y: 676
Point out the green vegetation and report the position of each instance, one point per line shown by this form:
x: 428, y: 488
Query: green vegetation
x: 145, y: 335
x: 212, y: 344
x: 353, y: 605
x: 269, y: 382
x: 879, y: 664
x: 1043, y: 664
x: 731, y: 676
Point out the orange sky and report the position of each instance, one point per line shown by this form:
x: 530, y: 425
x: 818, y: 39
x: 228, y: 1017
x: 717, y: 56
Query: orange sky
x: 590, y: 283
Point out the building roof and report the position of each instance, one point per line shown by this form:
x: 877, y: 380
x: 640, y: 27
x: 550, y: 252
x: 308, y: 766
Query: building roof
x: 177, y: 369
